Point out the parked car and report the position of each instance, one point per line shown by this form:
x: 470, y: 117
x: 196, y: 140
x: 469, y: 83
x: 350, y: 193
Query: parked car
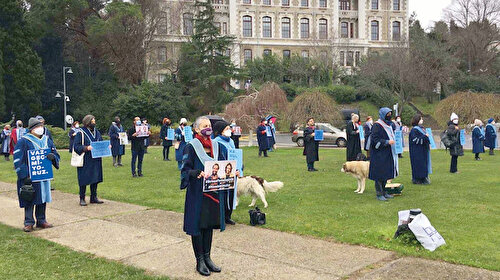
x: 331, y: 135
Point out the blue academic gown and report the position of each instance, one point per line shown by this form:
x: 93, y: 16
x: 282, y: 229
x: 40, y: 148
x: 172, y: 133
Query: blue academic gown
x: 91, y: 172
x: 381, y: 155
x: 271, y: 139
x: 477, y: 140
x: 490, y: 137
x: 179, y: 137
x: 116, y: 148
x: 262, y: 139
x: 42, y: 195
x: 419, y: 154
x: 191, y: 167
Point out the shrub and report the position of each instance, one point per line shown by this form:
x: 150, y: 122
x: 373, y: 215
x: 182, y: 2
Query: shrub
x: 318, y: 105
x: 290, y: 90
x: 342, y: 94
x: 407, y: 114
x: 468, y: 106
x: 485, y: 83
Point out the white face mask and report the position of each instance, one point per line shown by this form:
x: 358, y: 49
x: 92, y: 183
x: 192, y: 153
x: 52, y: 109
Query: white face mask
x: 420, y: 122
x: 455, y: 121
x: 227, y: 133
x: 398, y: 120
x: 39, y: 130
x: 77, y: 126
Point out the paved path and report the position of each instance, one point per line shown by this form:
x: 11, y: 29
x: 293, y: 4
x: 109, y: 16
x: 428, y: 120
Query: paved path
x: 152, y: 239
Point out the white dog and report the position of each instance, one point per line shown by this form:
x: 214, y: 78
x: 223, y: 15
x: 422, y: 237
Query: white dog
x: 358, y: 170
x: 257, y: 187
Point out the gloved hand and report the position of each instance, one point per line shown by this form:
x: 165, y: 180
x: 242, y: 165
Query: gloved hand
x: 52, y: 157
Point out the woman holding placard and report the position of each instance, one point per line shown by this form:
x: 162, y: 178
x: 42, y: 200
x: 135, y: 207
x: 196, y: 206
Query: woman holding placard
x: 91, y: 171
x: 117, y: 150
x: 353, y: 140
x: 166, y: 143
x: 180, y: 142
x: 311, y: 145
x: 420, y: 153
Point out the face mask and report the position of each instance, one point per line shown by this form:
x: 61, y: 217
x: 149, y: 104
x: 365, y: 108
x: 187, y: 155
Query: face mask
x: 398, y: 120
x: 420, y: 122
x: 265, y: 122
x: 19, y: 125
x: 233, y: 124
x: 455, y: 121
x: 370, y: 121
x: 388, y: 117
x: 39, y: 130
x: 206, y: 131
x: 77, y: 126
x: 138, y: 123
x: 227, y: 133
x: 92, y: 125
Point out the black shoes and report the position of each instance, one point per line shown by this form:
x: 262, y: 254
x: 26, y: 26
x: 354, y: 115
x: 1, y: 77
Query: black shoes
x: 210, y: 264
x: 82, y: 202
x: 312, y: 169
x: 201, y: 267
x: 140, y: 175
x: 95, y: 200
x: 231, y: 222
x: 134, y: 175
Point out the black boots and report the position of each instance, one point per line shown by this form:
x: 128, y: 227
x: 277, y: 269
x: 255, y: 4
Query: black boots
x: 210, y: 264
x: 82, y: 202
x: 202, y: 245
x: 201, y: 267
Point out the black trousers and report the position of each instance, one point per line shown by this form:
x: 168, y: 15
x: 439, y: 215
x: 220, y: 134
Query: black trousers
x: 477, y: 155
x: 166, y: 152
x: 93, y: 191
x: 265, y: 153
x: 202, y: 244
x: 380, y: 187
x: 453, y: 165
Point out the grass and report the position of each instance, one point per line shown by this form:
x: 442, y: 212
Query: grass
x: 463, y: 207
x: 424, y: 106
x: 23, y: 256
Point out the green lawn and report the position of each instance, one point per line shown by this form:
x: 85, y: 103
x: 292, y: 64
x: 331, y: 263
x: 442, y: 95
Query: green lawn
x: 463, y: 207
x: 23, y: 256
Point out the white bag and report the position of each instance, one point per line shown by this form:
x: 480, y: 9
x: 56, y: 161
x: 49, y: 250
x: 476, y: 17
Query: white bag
x: 425, y: 233
x: 76, y: 159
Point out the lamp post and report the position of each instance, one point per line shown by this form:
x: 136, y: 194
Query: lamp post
x: 64, y: 86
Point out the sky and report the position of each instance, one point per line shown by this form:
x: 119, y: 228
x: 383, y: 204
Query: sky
x: 428, y: 11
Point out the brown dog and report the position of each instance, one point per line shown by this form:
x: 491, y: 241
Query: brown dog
x: 358, y: 170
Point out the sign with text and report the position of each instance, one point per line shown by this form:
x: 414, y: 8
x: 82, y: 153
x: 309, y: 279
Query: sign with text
x: 269, y: 133
x: 237, y: 131
x: 318, y: 135
x: 431, y: 138
x: 40, y: 167
x: 142, y: 130
x: 123, y: 138
x: 188, y: 133
x: 361, y: 133
x: 462, y: 137
x: 100, y: 149
x: 219, y: 175
x: 170, y: 134
x: 237, y: 155
x: 398, y: 139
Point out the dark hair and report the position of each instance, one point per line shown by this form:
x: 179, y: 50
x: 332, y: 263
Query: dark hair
x: 215, y: 165
x: 308, y: 119
x: 416, y: 119
x: 229, y: 164
x: 369, y: 117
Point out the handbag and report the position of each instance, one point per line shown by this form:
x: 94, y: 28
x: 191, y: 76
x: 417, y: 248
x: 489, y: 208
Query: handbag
x: 257, y: 217
x: 76, y: 159
x: 27, y: 193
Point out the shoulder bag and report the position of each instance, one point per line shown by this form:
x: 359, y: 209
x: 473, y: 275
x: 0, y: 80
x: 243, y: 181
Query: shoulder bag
x: 76, y: 159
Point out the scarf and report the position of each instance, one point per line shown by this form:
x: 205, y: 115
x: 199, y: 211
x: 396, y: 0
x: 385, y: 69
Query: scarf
x: 39, y: 144
x: 205, y: 142
x: 226, y: 141
x: 390, y: 134
x: 429, y: 162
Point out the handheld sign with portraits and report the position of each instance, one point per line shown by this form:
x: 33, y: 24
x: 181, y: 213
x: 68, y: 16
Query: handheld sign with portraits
x: 142, y: 130
x: 237, y: 131
x: 219, y: 175
x: 123, y: 138
x: 40, y: 167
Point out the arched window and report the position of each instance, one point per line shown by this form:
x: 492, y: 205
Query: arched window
x: 304, y: 28
x: 322, y: 3
x: 374, y: 4
x: 266, y: 27
x: 395, y: 5
x: 267, y: 52
x: 344, y: 29
x: 345, y: 4
x: 286, y: 53
x: 323, y: 28
x: 188, y: 23
x: 285, y: 27
x: 396, y: 31
x: 374, y: 30
x: 247, y: 26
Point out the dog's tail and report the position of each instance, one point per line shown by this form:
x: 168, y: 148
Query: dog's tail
x: 272, y: 186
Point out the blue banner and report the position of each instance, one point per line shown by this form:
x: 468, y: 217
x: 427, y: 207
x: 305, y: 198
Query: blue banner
x: 170, y: 134
x: 237, y: 155
x: 431, y: 138
x: 398, y: 139
x: 361, y: 133
x: 39, y: 165
x: 462, y: 137
x: 188, y: 133
x: 269, y: 133
x: 318, y: 135
x: 100, y: 149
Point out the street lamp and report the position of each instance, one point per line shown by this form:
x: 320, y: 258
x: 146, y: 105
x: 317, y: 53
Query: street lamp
x: 69, y: 71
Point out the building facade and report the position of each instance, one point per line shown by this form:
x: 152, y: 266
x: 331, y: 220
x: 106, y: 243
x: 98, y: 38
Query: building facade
x: 340, y: 31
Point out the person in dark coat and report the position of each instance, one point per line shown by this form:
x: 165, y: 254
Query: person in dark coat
x: 91, y: 171
x: 490, y: 137
x: 17, y: 133
x: 117, y: 150
x: 75, y: 128
x: 262, y: 138
x: 477, y: 139
x: 236, y: 138
x: 271, y: 139
x: 420, y: 153
x: 5, y: 142
x: 164, y: 141
x: 367, y: 128
x: 203, y: 211
x: 383, y: 157
x: 456, y: 149
x: 311, y: 146
x: 181, y: 142
x: 353, y: 140
x: 138, y: 147
x: 34, y: 140
x: 46, y: 131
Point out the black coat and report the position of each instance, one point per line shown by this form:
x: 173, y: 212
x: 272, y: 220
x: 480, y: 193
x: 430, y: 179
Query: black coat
x: 353, y: 142
x: 137, y: 142
x: 163, y: 134
x: 453, y: 133
x: 419, y: 154
x: 368, y: 131
x: 311, y: 146
x: 381, y: 158
x: 262, y: 138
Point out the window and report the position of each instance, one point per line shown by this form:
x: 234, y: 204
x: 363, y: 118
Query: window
x: 247, y: 55
x: 304, y: 28
x: 285, y: 3
x: 341, y: 59
x: 304, y: 3
x: 162, y: 78
x: 350, y: 58
x: 305, y: 54
x: 345, y: 4
x: 395, y: 5
x: 323, y: 28
x: 188, y: 24
x: 396, y: 31
x: 285, y: 27
x: 218, y: 26
x: 323, y: 55
x: 266, y: 2
x: 374, y: 4
x: 322, y: 3
x: 162, y: 25
x: 247, y: 1
x: 356, y: 58
x: 162, y: 54
x: 286, y: 54
x: 374, y: 30
x: 268, y: 52
x: 351, y: 31
x: 344, y: 29
x: 266, y: 27
x: 247, y: 26
x: 224, y: 28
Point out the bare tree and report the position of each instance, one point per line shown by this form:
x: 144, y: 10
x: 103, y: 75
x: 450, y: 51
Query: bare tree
x: 463, y: 12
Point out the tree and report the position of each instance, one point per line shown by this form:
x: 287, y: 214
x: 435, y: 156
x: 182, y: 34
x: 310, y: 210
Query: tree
x: 205, y: 67
x: 464, y: 12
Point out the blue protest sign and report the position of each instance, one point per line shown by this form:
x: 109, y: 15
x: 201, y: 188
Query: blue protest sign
x: 40, y: 167
x: 462, y: 137
x: 237, y: 155
x: 100, y: 149
x: 170, y: 134
x: 268, y: 131
x: 398, y: 139
x: 188, y: 133
x: 431, y: 138
x: 361, y: 133
x: 318, y: 135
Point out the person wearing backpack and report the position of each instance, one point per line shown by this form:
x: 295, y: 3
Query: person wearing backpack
x: 451, y: 140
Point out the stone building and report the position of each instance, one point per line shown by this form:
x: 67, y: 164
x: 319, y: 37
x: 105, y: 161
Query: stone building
x: 340, y: 31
